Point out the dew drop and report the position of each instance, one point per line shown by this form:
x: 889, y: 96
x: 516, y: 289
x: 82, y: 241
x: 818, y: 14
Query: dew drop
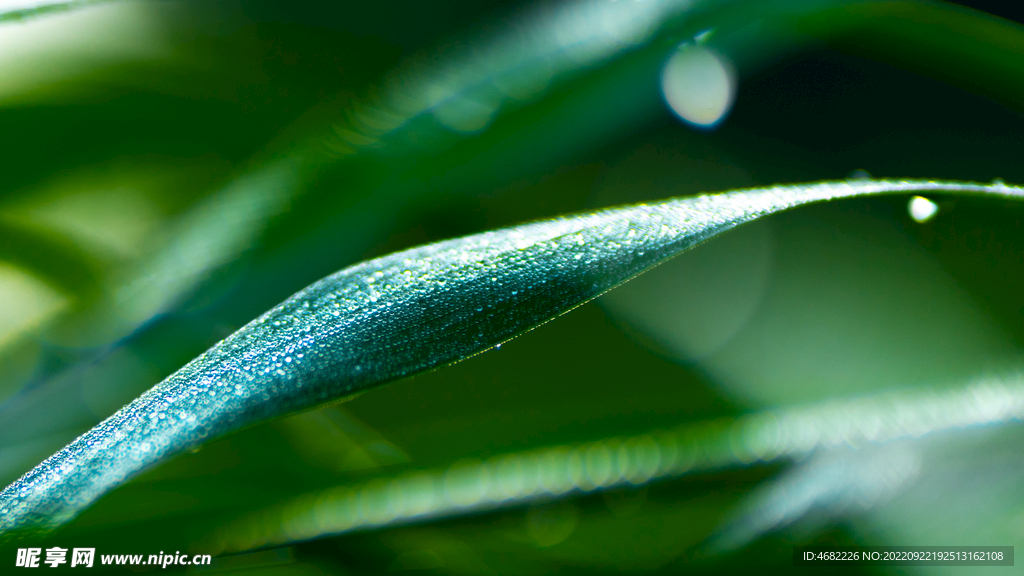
x: 922, y: 209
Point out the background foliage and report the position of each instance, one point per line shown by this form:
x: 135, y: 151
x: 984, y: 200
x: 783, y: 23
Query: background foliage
x: 173, y: 169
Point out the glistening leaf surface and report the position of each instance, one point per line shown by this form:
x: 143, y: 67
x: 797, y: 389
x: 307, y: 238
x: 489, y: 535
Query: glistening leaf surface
x: 393, y: 317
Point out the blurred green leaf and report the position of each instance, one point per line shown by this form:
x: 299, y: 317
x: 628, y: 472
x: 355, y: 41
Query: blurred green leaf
x: 856, y: 444
x: 18, y: 10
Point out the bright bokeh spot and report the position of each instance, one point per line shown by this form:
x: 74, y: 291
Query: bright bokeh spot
x: 699, y: 85
x: 922, y: 209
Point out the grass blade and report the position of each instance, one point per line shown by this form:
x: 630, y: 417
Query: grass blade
x: 848, y: 441
x: 395, y: 316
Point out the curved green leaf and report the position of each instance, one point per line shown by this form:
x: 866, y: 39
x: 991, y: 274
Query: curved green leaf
x: 826, y: 429
x: 395, y: 316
